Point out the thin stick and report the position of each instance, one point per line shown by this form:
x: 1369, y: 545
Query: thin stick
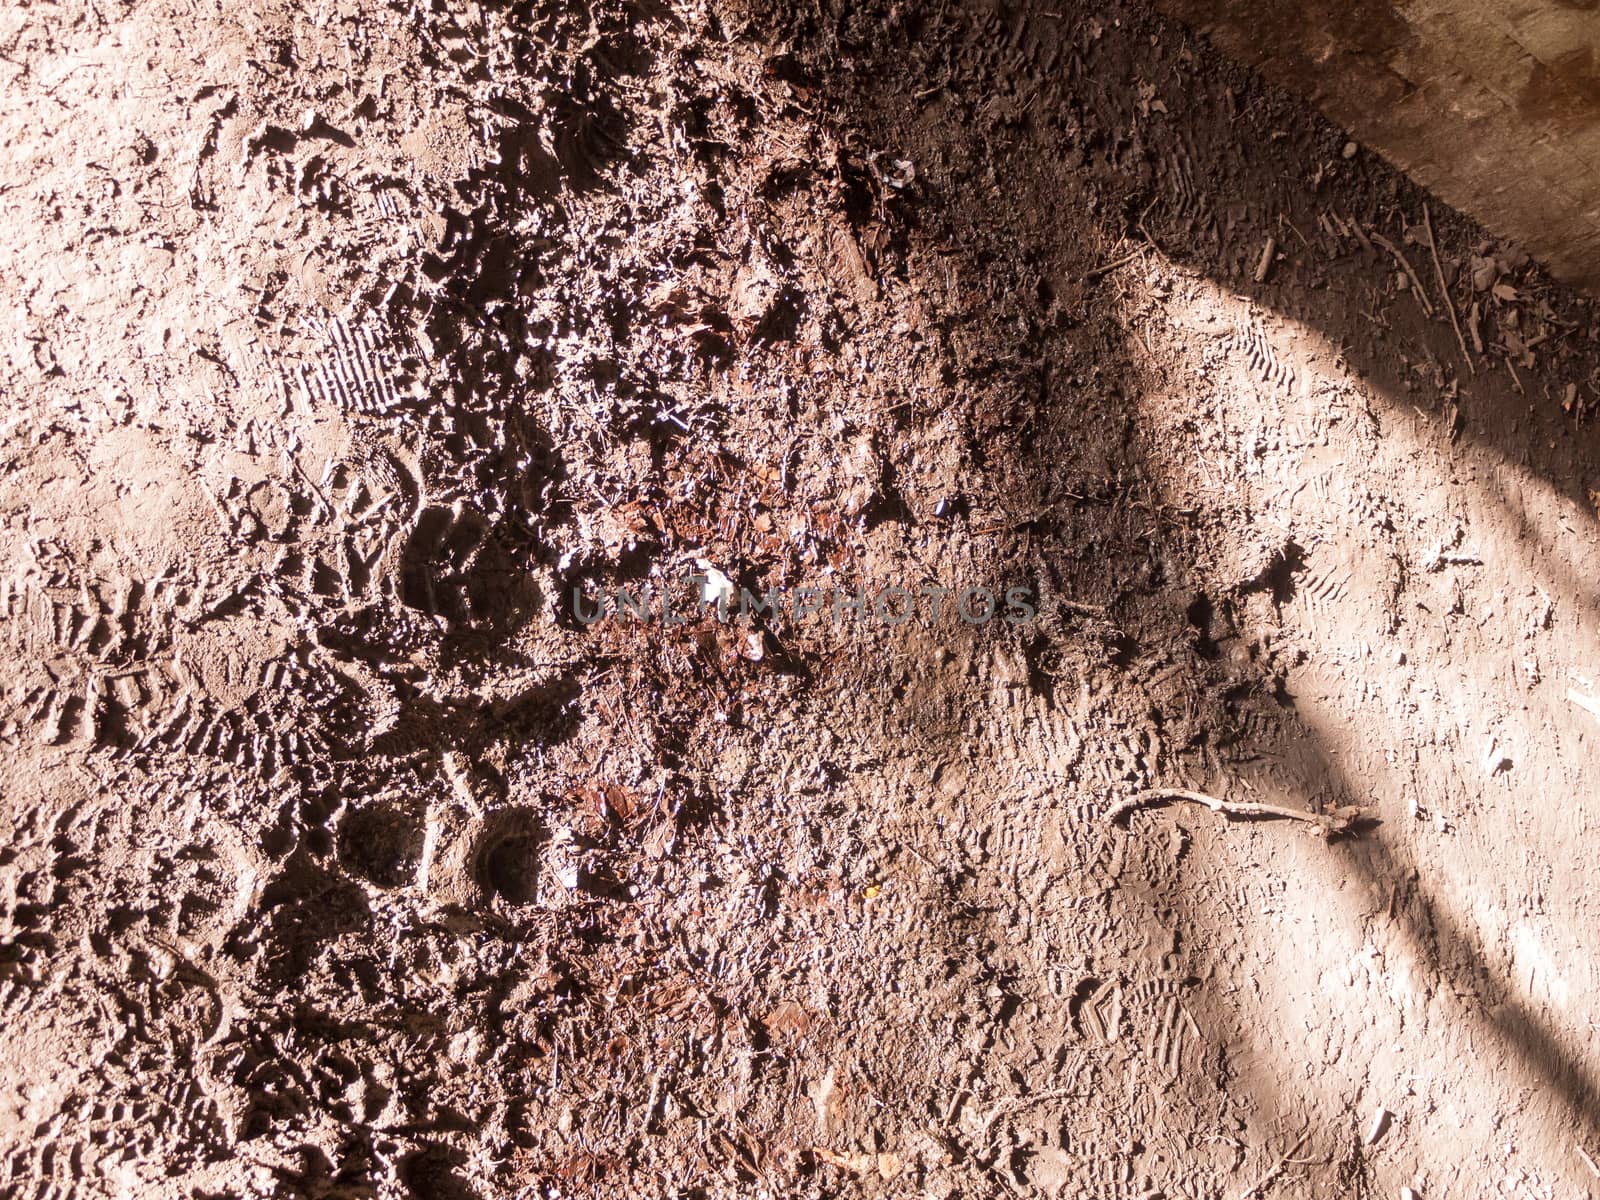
x: 1416, y: 284
x: 1255, y: 1188
x: 1264, y: 263
x: 1449, y: 304
x: 1587, y: 1161
x: 908, y: 847
x: 301, y: 471
x: 1081, y: 609
x: 1115, y: 263
x: 1012, y: 1107
x: 1354, y: 227
x: 1587, y: 703
x: 1515, y: 378
x: 1340, y: 820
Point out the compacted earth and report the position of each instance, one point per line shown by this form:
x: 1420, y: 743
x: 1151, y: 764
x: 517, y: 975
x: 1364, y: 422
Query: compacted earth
x: 758, y: 600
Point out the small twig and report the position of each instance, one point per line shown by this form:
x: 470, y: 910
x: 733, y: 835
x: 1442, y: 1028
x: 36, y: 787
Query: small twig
x: 1255, y: 1188
x: 1340, y: 820
x: 309, y: 482
x: 1150, y: 237
x: 1449, y: 304
x: 1012, y: 1107
x: 1264, y: 263
x: 1078, y: 608
x: 1587, y: 703
x: 1354, y: 227
x: 1587, y: 1161
x: 1515, y: 378
x: 1115, y: 263
x: 988, y: 1152
x: 914, y: 852
x: 1416, y: 284
x: 1007, y: 526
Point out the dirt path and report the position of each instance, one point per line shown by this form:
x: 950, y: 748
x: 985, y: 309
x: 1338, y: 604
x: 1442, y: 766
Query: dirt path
x: 355, y: 354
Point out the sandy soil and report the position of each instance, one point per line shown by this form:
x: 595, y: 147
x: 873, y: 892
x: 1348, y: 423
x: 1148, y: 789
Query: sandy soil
x: 352, y: 353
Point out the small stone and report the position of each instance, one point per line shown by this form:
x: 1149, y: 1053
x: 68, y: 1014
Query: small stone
x: 1349, y: 150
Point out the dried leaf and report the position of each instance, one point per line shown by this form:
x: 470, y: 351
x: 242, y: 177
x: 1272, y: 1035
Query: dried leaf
x: 659, y: 842
x: 620, y: 800
x: 787, y: 1018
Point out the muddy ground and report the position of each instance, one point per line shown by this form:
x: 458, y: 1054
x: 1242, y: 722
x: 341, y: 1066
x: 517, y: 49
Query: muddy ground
x: 344, y: 344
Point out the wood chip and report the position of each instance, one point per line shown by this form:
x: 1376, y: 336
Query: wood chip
x: 1264, y: 264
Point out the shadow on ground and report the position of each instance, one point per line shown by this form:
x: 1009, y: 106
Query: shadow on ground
x: 1094, y: 187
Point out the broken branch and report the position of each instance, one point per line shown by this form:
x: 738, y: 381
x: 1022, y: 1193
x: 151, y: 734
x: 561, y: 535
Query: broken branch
x: 1340, y: 820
